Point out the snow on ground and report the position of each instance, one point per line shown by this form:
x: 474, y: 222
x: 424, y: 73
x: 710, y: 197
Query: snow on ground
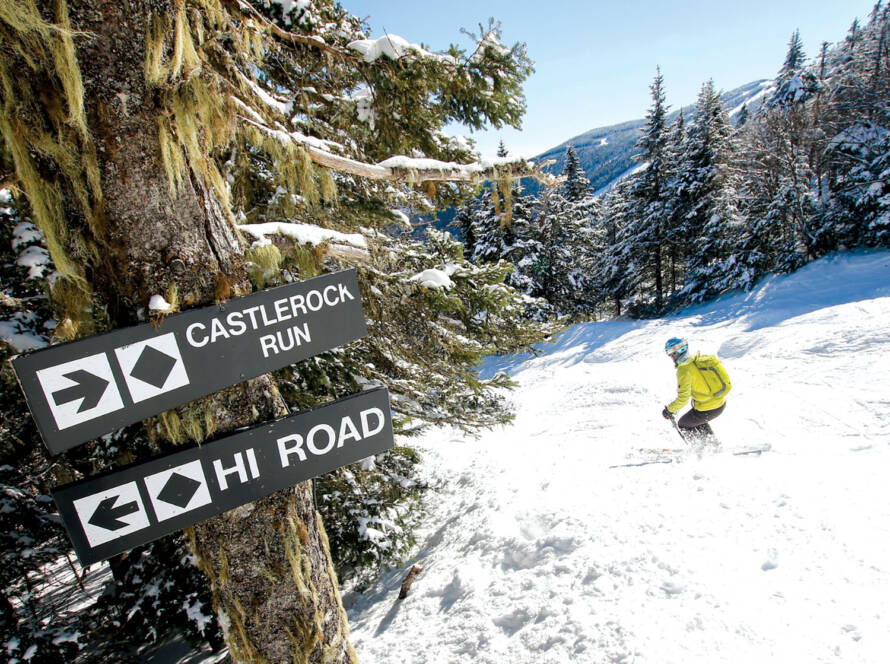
x: 538, y: 549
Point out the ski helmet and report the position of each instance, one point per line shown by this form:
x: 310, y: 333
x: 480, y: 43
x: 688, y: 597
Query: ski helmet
x: 676, y: 348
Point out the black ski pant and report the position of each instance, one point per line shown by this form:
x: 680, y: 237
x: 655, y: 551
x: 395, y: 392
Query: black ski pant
x: 694, y: 424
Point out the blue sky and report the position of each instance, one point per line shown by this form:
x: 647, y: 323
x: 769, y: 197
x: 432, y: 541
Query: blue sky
x: 594, y: 61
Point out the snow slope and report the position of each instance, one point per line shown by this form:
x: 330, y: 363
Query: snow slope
x: 539, y: 549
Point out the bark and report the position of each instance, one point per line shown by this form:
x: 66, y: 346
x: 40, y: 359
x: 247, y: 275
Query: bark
x: 268, y: 563
x: 409, y: 580
x: 152, y: 238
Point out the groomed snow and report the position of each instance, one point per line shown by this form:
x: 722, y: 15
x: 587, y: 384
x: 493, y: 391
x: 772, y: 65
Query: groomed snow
x: 537, y: 550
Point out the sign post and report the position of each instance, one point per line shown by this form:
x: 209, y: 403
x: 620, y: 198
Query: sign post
x: 112, y: 513
x: 83, y: 389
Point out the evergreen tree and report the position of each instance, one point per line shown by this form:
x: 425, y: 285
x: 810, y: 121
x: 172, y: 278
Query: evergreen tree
x: 493, y: 239
x: 783, y: 156
x: 613, y: 267
x: 650, y: 198
x: 794, y: 82
x: 491, y: 223
x: 708, y: 186
x: 463, y: 224
x: 241, y: 113
x: 576, y: 185
x: 678, y: 204
x: 803, y: 175
x: 525, y: 250
x: 562, y: 266
x: 498, y: 225
x: 794, y: 58
x: 852, y: 35
x: 30, y: 534
x: 857, y: 121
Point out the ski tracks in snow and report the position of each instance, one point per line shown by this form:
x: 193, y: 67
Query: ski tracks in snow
x: 536, y: 551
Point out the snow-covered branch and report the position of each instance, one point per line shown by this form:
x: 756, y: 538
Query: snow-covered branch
x: 410, y: 169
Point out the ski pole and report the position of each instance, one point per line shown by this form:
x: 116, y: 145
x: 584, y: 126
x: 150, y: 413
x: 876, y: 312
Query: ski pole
x: 677, y: 427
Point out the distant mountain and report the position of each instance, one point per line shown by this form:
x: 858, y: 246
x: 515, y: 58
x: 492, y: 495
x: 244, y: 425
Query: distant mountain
x: 606, y: 153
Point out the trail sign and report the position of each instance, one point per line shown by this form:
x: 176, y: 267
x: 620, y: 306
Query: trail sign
x: 83, y: 389
x: 112, y: 513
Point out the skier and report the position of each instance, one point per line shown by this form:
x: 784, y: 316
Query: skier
x: 703, y: 378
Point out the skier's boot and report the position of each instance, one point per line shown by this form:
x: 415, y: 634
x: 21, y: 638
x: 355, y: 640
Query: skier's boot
x: 701, y: 437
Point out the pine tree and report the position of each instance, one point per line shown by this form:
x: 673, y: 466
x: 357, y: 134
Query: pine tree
x: 857, y: 124
x: 852, y: 35
x: 463, y: 224
x: 783, y: 156
x: 803, y: 175
x: 678, y: 204
x: 555, y: 262
x: 795, y: 57
x: 235, y: 113
x: 27, y: 523
x: 650, y: 199
x: 614, y: 273
x: 794, y: 82
x: 562, y: 267
x: 525, y: 249
x: 576, y: 185
x: 498, y: 225
x: 487, y: 238
x: 709, y: 187
x: 490, y: 223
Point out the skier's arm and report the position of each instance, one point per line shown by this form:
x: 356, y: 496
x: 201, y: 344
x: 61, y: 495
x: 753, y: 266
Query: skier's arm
x: 684, y: 389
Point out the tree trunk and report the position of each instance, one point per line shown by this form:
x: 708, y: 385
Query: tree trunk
x: 657, y: 266
x: 268, y: 563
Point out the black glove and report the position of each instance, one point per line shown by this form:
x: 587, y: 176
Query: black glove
x: 666, y: 414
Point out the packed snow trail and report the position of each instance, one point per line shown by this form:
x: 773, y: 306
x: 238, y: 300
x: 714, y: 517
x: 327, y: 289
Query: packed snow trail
x: 536, y: 551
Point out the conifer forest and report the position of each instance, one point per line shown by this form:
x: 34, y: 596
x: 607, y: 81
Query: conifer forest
x: 161, y: 155
x: 715, y: 204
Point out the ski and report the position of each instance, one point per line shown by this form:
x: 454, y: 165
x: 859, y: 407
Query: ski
x: 646, y: 457
x: 755, y: 450
x: 649, y: 456
x: 648, y: 462
x: 662, y: 450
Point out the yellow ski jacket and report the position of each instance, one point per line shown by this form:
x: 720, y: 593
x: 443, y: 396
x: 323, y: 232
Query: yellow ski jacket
x: 703, y: 378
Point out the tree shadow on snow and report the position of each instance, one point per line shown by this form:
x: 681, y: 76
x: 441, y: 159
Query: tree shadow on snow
x: 395, y: 578
x: 576, y: 344
x: 828, y: 282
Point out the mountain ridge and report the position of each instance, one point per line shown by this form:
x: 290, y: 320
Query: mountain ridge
x: 606, y: 153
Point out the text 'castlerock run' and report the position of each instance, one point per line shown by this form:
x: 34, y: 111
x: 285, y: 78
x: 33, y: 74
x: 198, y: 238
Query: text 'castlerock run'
x: 262, y: 316
x: 83, y: 389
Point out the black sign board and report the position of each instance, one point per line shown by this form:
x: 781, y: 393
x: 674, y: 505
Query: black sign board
x: 83, y: 389
x: 112, y: 513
